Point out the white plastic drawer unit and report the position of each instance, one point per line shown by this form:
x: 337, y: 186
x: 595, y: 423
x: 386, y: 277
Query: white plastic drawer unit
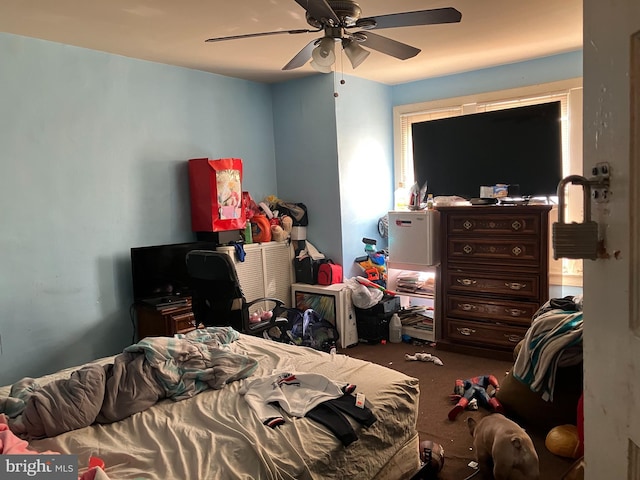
x: 413, y: 238
x: 267, y: 270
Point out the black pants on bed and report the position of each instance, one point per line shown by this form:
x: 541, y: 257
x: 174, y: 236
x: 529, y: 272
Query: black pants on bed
x: 331, y: 414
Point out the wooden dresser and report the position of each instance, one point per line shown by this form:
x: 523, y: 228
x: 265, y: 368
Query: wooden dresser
x: 494, y: 276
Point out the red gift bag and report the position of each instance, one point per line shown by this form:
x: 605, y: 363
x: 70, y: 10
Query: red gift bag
x: 216, y: 194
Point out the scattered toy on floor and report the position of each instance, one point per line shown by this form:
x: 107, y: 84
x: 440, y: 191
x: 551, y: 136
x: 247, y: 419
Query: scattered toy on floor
x: 466, y: 390
x: 423, y: 357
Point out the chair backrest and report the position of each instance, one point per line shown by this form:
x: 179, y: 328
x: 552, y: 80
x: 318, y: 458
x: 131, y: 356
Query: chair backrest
x: 217, y: 298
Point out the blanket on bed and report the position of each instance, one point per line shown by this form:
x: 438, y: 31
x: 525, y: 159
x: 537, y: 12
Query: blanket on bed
x: 144, y: 373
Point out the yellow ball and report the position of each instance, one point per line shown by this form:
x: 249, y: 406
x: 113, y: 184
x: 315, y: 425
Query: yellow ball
x: 563, y: 441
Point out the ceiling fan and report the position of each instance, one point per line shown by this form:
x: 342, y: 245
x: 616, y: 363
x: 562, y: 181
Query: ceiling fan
x: 338, y: 17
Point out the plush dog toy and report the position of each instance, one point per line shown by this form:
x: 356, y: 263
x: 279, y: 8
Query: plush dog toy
x: 466, y: 390
x: 423, y: 357
x: 503, y: 449
x: 281, y: 231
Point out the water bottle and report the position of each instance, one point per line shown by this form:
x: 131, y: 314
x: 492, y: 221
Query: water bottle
x: 395, y: 329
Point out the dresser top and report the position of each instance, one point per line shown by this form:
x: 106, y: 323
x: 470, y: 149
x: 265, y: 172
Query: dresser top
x: 494, y: 208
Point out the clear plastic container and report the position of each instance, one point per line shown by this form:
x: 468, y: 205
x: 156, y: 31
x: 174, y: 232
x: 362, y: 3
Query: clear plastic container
x: 395, y: 329
x: 401, y: 198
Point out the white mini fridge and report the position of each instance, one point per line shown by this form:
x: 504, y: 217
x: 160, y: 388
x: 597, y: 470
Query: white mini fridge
x: 413, y: 239
x: 333, y: 302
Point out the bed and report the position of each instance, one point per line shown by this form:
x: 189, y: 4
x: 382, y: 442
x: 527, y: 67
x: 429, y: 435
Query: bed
x: 216, y: 435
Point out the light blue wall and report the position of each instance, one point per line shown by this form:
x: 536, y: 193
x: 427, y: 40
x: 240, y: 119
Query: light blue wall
x: 93, y: 151
x: 307, y: 155
x: 514, y: 75
x: 334, y: 155
x: 365, y: 155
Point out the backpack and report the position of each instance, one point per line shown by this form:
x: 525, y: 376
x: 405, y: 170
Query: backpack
x: 309, y: 329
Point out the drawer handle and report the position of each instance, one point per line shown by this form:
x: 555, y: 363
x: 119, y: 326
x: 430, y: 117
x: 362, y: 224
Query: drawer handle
x: 466, y: 331
x: 467, y: 307
x: 467, y: 282
x: 515, y: 285
x: 515, y: 312
x: 513, y: 338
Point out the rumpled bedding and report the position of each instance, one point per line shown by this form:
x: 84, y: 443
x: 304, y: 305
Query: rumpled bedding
x: 216, y: 434
x: 144, y: 373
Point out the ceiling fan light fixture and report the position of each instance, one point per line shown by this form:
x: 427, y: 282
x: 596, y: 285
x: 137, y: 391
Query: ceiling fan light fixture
x: 320, y: 68
x: 355, y: 53
x: 324, y: 54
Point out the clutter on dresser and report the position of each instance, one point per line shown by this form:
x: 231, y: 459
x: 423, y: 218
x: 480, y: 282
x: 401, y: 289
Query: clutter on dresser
x: 418, y: 197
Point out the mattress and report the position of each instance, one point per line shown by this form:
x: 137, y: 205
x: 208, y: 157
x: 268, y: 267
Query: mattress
x: 216, y: 435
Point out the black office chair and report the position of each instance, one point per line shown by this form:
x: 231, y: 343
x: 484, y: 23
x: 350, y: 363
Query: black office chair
x: 218, y: 300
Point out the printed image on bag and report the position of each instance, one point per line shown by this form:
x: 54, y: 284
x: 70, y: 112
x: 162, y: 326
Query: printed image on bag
x: 229, y: 187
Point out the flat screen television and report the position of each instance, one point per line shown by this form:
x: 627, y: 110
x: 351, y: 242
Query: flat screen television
x: 161, y: 270
x: 519, y: 146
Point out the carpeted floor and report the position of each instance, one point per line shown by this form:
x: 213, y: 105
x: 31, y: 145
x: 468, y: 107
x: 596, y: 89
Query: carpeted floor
x: 436, y: 383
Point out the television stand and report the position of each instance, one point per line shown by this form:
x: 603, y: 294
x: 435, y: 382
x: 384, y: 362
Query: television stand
x: 165, y: 321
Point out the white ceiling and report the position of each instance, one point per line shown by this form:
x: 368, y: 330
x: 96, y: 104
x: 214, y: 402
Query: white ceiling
x: 492, y: 32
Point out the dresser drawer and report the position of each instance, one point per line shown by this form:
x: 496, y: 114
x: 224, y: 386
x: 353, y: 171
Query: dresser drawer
x: 182, y: 322
x: 484, y: 334
x: 505, y: 284
x: 495, y: 224
x: 494, y: 251
x: 498, y: 310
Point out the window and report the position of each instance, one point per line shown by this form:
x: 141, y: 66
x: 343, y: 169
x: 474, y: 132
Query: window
x: 568, y: 92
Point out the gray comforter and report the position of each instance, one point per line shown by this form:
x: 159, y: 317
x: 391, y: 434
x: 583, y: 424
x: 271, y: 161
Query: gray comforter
x: 148, y: 371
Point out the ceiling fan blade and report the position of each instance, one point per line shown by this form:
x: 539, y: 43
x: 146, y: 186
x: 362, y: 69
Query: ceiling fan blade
x: 320, y: 10
x: 263, y: 34
x: 390, y: 47
x: 410, y: 19
x: 302, y: 57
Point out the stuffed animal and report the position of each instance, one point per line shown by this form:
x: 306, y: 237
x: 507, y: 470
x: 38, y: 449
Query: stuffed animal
x: 287, y: 223
x: 281, y: 231
x: 475, y: 388
x: 278, y: 234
